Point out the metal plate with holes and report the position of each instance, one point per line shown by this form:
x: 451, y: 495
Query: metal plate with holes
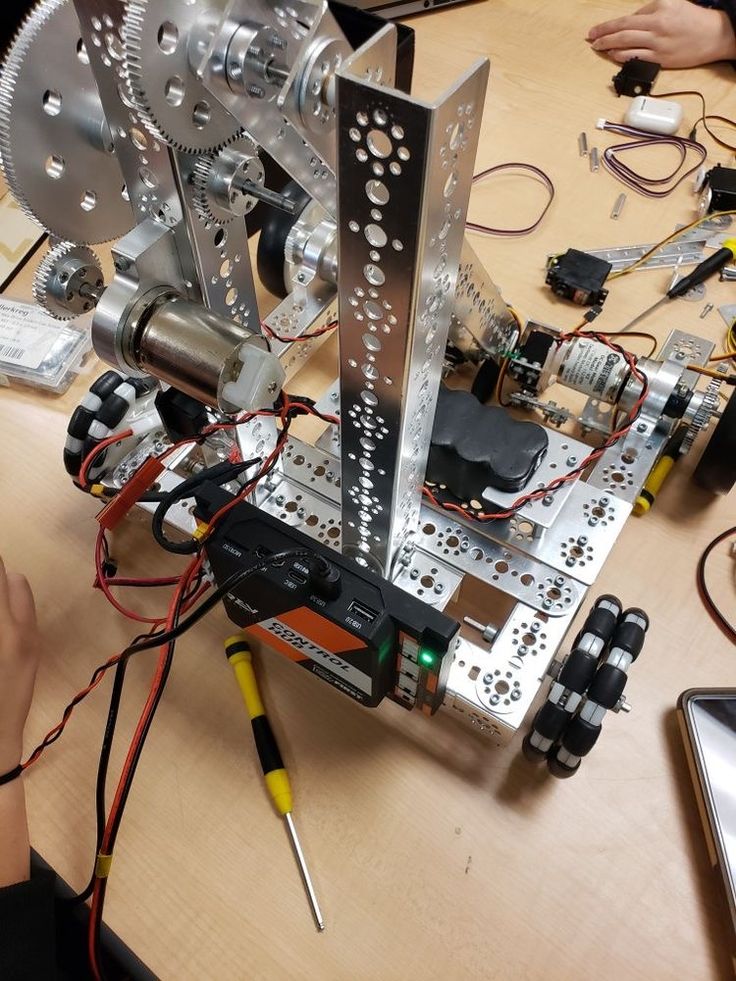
x: 430, y: 579
x: 688, y: 348
x: 149, y: 176
x: 495, y: 685
x: 258, y: 109
x: 480, y: 316
x: 582, y: 539
x: 563, y: 454
x: 685, y: 252
x: 293, y: 504
x: 502, y: 566
x: 398, y: 271
x: 222, y: 258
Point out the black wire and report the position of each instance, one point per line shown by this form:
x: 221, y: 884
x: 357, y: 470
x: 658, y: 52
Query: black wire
x: 726, y: 626
x: 221, y: 473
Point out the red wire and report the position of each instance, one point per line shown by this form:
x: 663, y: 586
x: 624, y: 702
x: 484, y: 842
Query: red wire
x: 101, y: 582
x: 284, y: 339
x: 116, y: 438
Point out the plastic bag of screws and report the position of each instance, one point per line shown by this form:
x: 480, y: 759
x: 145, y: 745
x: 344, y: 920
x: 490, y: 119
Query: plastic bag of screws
x: 38, y: 351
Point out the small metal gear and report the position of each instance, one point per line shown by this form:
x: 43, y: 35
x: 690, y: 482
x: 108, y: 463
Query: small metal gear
x: 709, y: 403
x: 68, y: 281
x: 173, y: 102
x: 56, y: 150
x: 217, y: 197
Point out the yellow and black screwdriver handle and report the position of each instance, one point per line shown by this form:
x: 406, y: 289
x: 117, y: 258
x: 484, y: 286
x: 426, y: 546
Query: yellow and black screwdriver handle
x: 277, y: 779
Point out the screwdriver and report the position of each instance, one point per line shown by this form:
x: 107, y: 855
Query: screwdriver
x: 707, y: 268
x: 277, y: 779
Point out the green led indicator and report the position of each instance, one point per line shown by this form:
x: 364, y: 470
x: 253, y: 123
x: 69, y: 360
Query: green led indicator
x: 426, y: 659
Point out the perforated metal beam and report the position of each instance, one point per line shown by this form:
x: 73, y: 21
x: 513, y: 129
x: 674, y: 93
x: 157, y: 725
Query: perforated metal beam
x: 405, y: 169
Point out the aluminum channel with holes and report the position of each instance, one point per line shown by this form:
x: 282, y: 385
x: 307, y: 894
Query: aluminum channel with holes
x: 405, y: 170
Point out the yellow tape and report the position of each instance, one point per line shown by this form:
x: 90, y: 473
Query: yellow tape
x: 102, y: 866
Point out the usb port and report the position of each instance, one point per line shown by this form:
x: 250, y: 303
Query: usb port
x: 362, y: 611
x: 297, y: 577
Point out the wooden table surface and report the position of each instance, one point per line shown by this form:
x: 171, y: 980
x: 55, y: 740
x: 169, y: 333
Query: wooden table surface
x: 434, y: 854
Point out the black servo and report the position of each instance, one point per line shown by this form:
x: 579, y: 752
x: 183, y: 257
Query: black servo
x: 636, y: 77
x: 719, y: 189
x: 579, y: 277
x: 352, y: 629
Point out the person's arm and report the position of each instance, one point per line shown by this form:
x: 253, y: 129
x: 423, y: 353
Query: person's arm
x: 19, y: 654
x: 674, y: 33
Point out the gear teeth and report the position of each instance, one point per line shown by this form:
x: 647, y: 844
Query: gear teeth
x: 201, y: 198
x: 134, y: 31
x: 46, y: 271
x: 17, y: 53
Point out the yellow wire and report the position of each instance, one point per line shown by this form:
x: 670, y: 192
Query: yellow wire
x: 666, y: 241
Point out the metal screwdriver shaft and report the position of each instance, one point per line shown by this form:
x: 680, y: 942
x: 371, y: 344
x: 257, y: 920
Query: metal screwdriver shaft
x: 707, y: 268
x: 306, y: 878
x: 277, y: 779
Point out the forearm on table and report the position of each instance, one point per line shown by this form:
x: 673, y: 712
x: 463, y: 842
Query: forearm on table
x: 15, y: 850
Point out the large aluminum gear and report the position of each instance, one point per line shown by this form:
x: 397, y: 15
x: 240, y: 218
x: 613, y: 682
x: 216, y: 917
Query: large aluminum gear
x: 68, y: 281
x: 56, y: 149
x: 174, y: 104
x: 218, y: 182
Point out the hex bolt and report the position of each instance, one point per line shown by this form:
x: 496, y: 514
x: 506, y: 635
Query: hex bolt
x: 515, y: 695
x: 487, y: 679
x: 582, y: 539
x: 570, y: 561
x: 547, y: 604
x: 592, y: 521
x: 604, y: 501
x: 280, y: 500
x: 559, y: 580
x: 414, y: 574
x: 301, y: 513
x: 439, y: 588
x: 536, y: 627
x: 494, y: 699
x: 523, y: 650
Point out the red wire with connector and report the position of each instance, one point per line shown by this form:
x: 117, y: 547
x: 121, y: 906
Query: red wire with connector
x: 285, y: 339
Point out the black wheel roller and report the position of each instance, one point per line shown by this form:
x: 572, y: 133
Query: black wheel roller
x: 550, y: 721
x: 580, y: 736
x: 80, y: 422
x: 72, y: 463
x: 106, y: 384
x: 530, y: 752
x: 578, y: 671
x: 607, y: 686
x: 560, y: 770
x: 716, y: 469
x: 276, y: 227
x: 629, y: 637
x: 484, y: 383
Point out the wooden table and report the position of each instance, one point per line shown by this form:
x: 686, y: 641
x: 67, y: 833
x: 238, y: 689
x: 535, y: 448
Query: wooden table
x: 434, y: 854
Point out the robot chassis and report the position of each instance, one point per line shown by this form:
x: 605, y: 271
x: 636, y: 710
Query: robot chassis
x: 153, y: 135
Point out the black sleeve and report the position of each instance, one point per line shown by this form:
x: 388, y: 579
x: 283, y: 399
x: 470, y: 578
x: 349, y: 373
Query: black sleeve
x: 27, y: 930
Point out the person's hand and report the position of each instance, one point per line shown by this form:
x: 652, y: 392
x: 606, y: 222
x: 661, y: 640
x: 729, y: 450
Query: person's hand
x: 674, y: 33
x: 20, y: 648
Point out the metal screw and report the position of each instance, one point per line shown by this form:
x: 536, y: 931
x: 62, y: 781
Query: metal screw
x: 439, y: 588
x: 121, y: 264
x: 515, y: 695
x: 641, y: 428
x: 571, y: 461
x: 622, y: 705
x: 547, y: 604
x: 301, y: 513
x: 523, y: 650
x: 603, y: 502
x: 582, y: 539
x: 464, y: 546
x: 256, y: 91
x: 280, y: 500
x: 592, y: 521
x: 536, y: 627
x: 278, y: 42
x: 487, y: 679
x: 570, y: 561
x: 329, y: 476
x: 273, y: 388
x: 494, y: 699
x: 559, y: 581
x: 546, y: 501
x: 414, y: 574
